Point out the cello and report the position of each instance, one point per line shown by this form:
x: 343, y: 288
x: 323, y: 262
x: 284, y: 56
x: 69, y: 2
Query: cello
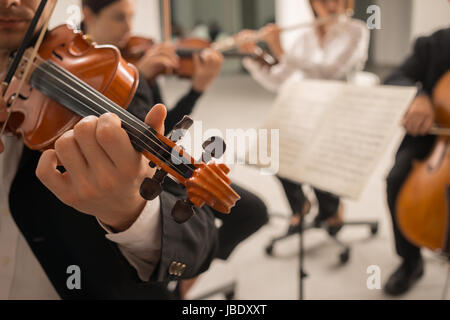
x: 423, y: 205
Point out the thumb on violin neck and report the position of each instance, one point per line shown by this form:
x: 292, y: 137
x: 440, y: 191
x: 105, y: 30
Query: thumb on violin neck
x: 156, y: 117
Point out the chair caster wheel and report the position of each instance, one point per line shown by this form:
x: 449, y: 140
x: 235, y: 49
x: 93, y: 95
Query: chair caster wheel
x: 374, y: 229
x: 269, y: 250
x: 344, y: 256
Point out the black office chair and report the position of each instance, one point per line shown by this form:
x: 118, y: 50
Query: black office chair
x: 344, y: 255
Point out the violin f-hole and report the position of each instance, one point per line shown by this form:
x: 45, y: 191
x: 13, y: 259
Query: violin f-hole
x: 57, y: 55
x: 13, y: 97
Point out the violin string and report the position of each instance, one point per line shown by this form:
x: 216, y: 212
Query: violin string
x: 142, y: 143
x: 120, y: 110
x: 99, y: 96
x: 115, y: 107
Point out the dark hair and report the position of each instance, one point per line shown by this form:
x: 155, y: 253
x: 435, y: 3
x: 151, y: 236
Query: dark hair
x: 97, y: 5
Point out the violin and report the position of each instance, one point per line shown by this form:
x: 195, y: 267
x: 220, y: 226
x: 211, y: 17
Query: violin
x: 423, y: 205
x: 73, y: 78
x: 136, y: 48
x: 185, y: 49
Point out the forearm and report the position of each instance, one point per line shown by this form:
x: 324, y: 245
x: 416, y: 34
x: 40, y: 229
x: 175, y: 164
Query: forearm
x: 184, y: 107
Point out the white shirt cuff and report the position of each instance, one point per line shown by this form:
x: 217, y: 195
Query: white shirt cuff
x: 141, y: 243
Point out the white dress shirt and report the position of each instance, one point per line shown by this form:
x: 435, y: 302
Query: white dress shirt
x: 344, y: 52
x: 21, y: 275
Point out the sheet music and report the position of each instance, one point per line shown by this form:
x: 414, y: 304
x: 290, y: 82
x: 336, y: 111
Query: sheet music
x: 332, y: 134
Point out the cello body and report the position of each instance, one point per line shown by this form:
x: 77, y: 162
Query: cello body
x: 423, y: 204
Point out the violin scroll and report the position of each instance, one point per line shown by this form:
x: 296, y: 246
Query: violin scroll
x: 201, y: 188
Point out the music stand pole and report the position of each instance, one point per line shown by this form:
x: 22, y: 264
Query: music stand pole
x: 302, y: 273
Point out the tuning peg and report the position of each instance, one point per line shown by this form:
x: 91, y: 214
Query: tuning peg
x: 182, y: 211
x: 180, y: 129
x: 214, y: 148
x: 152, y: 188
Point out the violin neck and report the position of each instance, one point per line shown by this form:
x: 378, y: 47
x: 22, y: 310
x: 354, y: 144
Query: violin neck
x: 80, y: 98
x: 188, y: 53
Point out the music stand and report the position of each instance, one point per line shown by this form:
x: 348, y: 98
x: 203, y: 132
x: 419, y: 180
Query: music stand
x: 344, y: 256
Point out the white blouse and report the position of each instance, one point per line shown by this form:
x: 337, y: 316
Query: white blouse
x: 343, y: 53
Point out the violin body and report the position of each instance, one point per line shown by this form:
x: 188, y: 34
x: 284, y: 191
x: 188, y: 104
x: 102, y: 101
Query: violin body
x: 138, y: 46
x: 101, y: 67
x: 423, y: 205
x: 185, y: 49
x: 136, y: 49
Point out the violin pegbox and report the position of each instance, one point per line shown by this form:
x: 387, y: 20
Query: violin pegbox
x: 202, y: 188
x: 151, y: 188
x: 206, y: 183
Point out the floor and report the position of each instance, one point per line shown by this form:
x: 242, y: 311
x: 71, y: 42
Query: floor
x: 235, y: 101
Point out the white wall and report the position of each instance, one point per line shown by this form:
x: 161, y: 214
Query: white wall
x: 61, y: 13
x: 226, y: 12
x: 402, y: 22
x: 392, y: 43
x: 428, y: 16
x: 292, y: 12
x: 265, y: 11
x: 146, y: 23
x: 148, y: 19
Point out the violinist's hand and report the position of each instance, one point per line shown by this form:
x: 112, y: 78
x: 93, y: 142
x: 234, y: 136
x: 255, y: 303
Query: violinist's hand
x: 420, y: 117
x: 3, y: 117
x: 207, y: 66
x: 103, y: 170
x: 245, y: 41
x: 271, y: 34
x: 160, y: 59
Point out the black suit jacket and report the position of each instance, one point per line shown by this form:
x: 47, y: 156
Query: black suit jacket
x: 429, y: 61
x: 60, y: 236
x: 426, y: 65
